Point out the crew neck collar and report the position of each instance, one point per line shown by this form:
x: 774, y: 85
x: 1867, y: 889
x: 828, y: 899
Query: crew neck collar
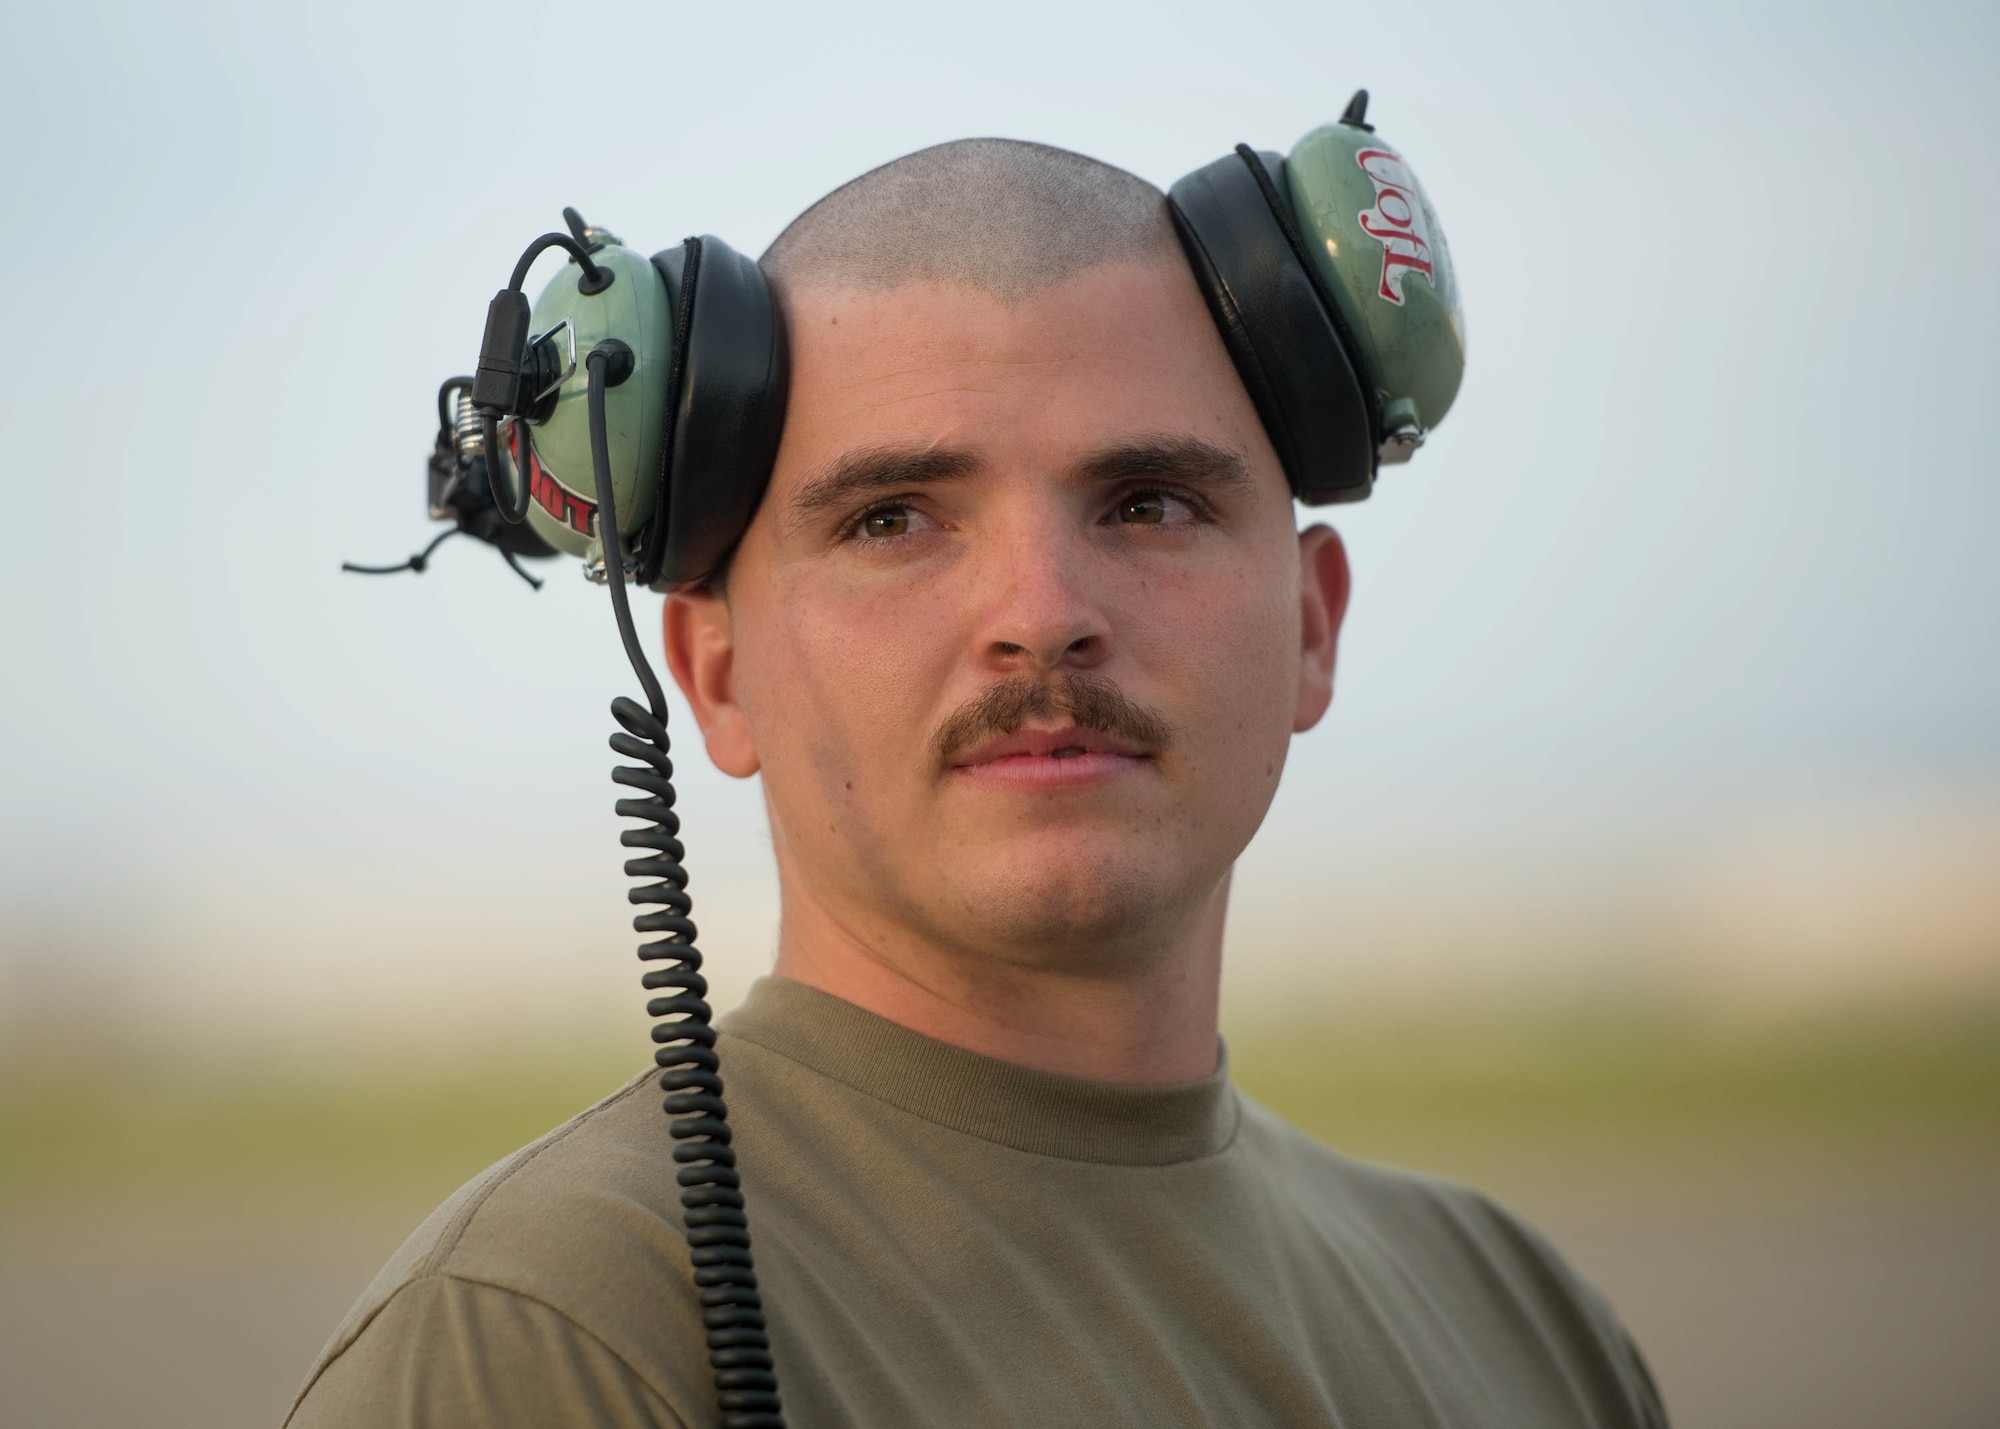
x: 1040, y: 1112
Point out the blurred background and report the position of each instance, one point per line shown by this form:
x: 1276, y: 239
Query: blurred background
x: 1647, y: 872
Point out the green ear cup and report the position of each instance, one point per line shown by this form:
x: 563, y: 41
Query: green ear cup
x: 636, y: 310
x: 1381, y: 253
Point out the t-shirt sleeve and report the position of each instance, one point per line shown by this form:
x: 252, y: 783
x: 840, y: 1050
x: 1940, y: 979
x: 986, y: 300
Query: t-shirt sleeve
x: 445, y: 1353
x: 1574, y: 1314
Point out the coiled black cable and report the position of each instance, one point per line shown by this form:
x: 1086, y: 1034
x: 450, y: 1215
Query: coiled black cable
x: 718, y: 1232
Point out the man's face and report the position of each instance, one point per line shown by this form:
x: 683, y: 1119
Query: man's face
x: 1019, y: 635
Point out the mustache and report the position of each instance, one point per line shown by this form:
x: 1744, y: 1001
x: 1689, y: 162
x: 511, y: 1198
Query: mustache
x: 1089, y: 701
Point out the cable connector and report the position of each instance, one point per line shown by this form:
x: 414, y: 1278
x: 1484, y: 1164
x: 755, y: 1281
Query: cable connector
x: 617, y: 360
x: 496, y: 382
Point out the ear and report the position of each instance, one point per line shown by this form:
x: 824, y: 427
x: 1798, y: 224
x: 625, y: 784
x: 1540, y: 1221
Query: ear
x: 701, y: 652
x: 1323, y: 586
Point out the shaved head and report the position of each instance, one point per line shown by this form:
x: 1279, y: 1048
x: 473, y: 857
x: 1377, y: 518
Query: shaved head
x: 1023, y: 624
x: 1000, y: 216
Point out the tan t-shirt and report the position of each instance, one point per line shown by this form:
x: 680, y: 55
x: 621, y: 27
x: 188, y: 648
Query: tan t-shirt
x: 943, y: 1239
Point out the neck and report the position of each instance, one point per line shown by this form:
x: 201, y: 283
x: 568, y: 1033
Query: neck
x: 1152, y: 1021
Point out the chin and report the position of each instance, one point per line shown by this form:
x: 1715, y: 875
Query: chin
x: 1074, y: 903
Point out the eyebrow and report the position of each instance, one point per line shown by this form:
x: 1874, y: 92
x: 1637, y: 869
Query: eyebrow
x: 1186, y: 459
x: 857, y: 473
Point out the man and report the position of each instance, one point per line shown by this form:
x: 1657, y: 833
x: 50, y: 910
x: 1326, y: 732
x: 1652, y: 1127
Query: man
x: 1017, y: 640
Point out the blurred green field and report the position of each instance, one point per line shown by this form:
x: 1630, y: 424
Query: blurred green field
x: 1517, y: 1099
x: 1586, y: 1095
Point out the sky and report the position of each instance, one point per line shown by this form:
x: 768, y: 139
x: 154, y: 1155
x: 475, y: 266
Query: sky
x: 1674, y: 658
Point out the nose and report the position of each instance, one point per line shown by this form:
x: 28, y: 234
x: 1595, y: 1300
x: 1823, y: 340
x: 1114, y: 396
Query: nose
x: 1040, y: 613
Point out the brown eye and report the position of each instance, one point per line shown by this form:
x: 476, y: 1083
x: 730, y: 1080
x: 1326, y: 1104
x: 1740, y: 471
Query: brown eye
x: 1153, y: 508
x: 885, y: 523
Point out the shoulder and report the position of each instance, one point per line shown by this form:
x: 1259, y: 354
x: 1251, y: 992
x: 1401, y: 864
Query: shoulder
x: 569, y: 1250
x: 445, y: 1352
x: 1414, y: 1213
x: 1499, y: 1279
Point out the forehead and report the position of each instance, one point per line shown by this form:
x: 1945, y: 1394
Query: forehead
x: 1113, y: 350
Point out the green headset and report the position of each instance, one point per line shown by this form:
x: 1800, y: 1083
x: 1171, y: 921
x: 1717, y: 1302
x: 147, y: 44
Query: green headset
x: 631, y: 416
x: 1326, y: 272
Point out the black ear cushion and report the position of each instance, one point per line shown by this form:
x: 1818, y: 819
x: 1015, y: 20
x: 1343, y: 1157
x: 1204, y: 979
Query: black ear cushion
x: 1278, y: 328
x: 725, y: 410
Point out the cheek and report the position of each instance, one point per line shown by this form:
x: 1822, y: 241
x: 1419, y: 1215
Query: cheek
x: 834, y: 689
x: 1231, y: 657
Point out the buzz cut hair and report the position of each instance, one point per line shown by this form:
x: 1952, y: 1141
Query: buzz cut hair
x: 1001, y: 216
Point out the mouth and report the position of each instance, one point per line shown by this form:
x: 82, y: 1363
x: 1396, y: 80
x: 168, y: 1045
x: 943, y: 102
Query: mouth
x: 1061, y: 756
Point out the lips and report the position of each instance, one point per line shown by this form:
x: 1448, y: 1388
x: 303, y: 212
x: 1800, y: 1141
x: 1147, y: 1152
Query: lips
x: 1061, y: 760
x: 1065, y: 742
